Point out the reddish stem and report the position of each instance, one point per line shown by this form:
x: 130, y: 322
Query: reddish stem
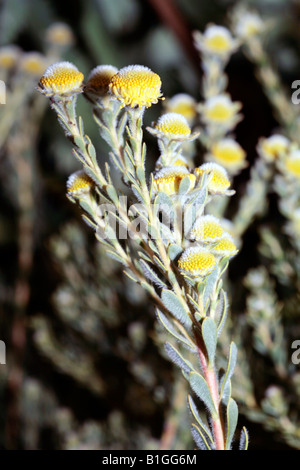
x: 211, y: 380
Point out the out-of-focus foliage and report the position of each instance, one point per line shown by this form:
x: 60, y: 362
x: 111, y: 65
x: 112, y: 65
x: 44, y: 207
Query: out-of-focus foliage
x: 82, y: 370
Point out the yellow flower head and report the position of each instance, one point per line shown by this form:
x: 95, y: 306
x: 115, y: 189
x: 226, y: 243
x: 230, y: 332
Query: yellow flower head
x: 60, y: 34
x: 33, y: 63
x: 136, y: 85
x: 207, y: 229
x: 219, y: 109
x: 99, y: 79
x: 183, y: 104
x: 292, y: 164
x: 79, y: 183
x: 273, y: 147
x: 225, y: 247
x: 229, y: 153
x: 196, y: 261
x: 173, y: 125
x: 216, y: 41
x: 9, y: 56
x: 61, y: 78
x: 168, y: 179
x: 248, y: 24
x: 219, y: 182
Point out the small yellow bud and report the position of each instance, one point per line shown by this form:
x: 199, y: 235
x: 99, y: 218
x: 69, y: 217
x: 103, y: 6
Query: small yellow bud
x: 219, y: 182
x: 136, y: 85
x: 273, y: 147
x: 248, y: 24
x: 207, y: 229
x: 173, y: 126
x: 61, y: 78
x: 228, y: 153
x: 99, y: 79
x: 225, y: 247
x: 60, y: 34
x: 79, y: 183
x: 33, y: 63
x: 168, y: 179
x: 196, y: 261
x: 183, y: 104
x: 215, y: 41
x: 9, y: 56
x: 220, y: 110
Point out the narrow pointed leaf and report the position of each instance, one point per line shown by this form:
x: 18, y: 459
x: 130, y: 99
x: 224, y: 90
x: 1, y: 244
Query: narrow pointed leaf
x: 200, y: 387
x: 209, y: 334
x: 175, y: 306
x: 232, y: 419
x: 199, y: 438
x: 204, y: 429
x: 178, y: 359
x: 230, y: 367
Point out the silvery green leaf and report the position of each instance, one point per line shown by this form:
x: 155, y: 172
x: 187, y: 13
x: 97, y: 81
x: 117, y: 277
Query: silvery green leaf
x: 112, y: 193
x: 210, y: 283
x: 232, y: 413
x: 190, y: 215
x: 89, y: 222
x: 113, y: 255
x: 198, y: 197
x: 173, y: 331
x: 91, y: 151
x: 176, y: 307
x: 79, y: 143
x: 131, y: 275
x: 174, y: 251
x: 226, y: 392
x: 151, y: 274
x: 153, y: 246
x: 185, y: 186
x: 164, y: 203
x: 244, y: 439
x: 140, y: 173
x: 200, y: 387
x: 204, y: 429
x: 121, y: 127
x: 199, y: 438
x: 178, y: 359
x: 166, y: 233
x: 86, y: 206
x: 222, y: 307
x: 209, y: 335
x: 230, y: 367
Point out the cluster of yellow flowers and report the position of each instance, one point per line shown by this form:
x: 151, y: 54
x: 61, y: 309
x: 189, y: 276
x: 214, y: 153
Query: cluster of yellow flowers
x: 138, y: 86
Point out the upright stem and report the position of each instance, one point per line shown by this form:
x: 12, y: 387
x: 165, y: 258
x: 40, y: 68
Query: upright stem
x: 211, y: 380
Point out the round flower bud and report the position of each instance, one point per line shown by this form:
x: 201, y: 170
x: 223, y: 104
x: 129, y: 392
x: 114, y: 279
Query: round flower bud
x: 196, y: 261
x: 61, y: 78
x: 183, y: 104
x: 228, y: 153
x: 225, y: 247
x: 136, y: 85
x: 207, y: 229
x: 219, y: 182
x: 168, y: 179
x: 273, y: 147
x: 79, y: 183
x: 99, y: 79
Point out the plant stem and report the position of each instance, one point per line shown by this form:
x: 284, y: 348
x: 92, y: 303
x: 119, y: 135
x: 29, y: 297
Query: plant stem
x: 211, y: 380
